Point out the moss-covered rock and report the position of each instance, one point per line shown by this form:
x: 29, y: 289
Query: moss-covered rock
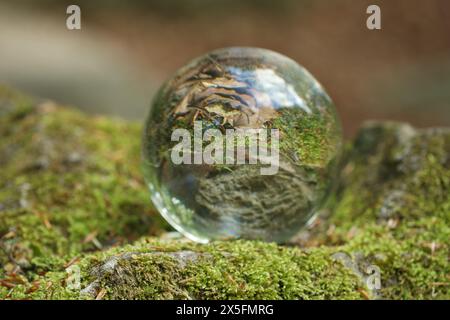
x: 72, y: 199
x: 69, y: 184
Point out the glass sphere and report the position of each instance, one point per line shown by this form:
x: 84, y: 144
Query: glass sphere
x: 241, y: 143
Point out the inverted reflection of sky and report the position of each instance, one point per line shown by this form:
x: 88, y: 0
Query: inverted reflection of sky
x: 281, y: 93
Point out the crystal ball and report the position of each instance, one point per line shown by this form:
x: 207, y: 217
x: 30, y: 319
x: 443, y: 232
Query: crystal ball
x: 241, y: 143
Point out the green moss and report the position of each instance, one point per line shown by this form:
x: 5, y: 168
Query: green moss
x: 69, y: 183
x: 413, y: 259
x: 398, y: 172
x: 394, y: 202
x: 307, y: 138
x: 71, y: 194
x: 152, y: 269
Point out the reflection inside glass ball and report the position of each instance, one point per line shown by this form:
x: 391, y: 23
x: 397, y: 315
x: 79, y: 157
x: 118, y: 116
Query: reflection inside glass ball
x: 241, y: 143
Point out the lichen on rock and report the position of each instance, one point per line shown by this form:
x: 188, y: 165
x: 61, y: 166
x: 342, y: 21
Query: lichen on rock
x: 71, y: 195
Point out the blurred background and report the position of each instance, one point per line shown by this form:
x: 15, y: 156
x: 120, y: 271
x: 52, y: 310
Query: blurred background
x: 125, y: 50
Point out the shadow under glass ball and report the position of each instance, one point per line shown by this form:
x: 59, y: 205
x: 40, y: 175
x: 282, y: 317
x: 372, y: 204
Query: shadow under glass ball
x: 228, y: 90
